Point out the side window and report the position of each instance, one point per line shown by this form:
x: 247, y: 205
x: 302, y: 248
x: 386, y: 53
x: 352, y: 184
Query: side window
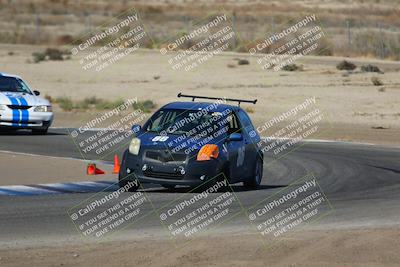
x: 246, y: 122
x: 234, y: 125
x: 155, y: 122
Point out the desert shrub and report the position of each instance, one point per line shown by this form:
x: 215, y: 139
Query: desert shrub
x: 81, y: 105
x: 51, y: 54
x: 92, y: 100
x: 243, y: 62
x: 66, y: 52
x: 38, y: 56
x: 370, y: 68
x: 65, y: 103
x: 146, y: 106
x: 249, y: 110
x: 292, y: 67
x: 49, y: 98
x: 376, y: 81
x: 345, y: 65
x: 104, y: 104
x: 54, y: 54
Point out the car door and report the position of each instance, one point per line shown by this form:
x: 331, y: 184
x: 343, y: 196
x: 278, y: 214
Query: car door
x: 236, y: 151
x: 250, y: 142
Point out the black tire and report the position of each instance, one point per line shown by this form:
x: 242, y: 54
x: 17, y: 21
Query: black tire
x: 123, y: 176
x: 122, y: 183
x: 8, y: 131
x: 169, y: 186
x: 255, y: 181
x: 131, y: 189
x: 40, y: 131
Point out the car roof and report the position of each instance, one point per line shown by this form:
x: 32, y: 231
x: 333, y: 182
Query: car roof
x: 9, y: 75
x: 198, y: 106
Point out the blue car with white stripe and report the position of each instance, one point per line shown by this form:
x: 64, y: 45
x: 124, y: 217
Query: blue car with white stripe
x: 22, y: 108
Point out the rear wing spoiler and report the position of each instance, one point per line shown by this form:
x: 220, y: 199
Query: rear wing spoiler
x: 193, y: 97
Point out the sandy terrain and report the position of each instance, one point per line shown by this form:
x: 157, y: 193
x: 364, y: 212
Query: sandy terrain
x: 355, y: 109
x: 362, y: 247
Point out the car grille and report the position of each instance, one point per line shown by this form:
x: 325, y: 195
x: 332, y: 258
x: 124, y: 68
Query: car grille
x: 163, y: 175
x: 165, y: 156
x: 18, y: 107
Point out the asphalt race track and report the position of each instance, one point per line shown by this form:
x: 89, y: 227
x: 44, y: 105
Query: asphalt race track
x: 361, y: 184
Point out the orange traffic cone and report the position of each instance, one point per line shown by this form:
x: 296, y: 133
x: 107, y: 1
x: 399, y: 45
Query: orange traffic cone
x: 98, y: 171
x: 93, y: 170
x: 116, y: 165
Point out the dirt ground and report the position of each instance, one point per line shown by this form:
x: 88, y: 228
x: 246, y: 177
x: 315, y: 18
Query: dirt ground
x: 355, y: 109
x: 362, y: 247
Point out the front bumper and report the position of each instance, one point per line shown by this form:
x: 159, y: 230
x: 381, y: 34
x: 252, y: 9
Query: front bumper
x: 28, y: 120
x: 169, y: 173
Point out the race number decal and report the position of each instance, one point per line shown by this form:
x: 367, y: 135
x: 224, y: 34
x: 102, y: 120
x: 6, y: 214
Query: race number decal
x: 159, y: 138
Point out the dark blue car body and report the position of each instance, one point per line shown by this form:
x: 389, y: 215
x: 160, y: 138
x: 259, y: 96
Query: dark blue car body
x: 166, y: 158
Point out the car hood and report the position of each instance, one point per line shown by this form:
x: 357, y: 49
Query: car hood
x: 9, y: 98
x: 172, y: 142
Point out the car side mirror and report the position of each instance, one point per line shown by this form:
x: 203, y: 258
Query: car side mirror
x: 36, y: 92
x: 235, y: 137
x: 136, y: 128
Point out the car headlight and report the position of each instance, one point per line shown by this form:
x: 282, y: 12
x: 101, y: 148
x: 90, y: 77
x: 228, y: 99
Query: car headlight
x: 43, y: 109
x: 2, y: 107
x: 134, y: 146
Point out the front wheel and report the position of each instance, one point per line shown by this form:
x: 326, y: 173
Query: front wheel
x: 255, y: 181
x: 123, y: 176
x: 123, y: 183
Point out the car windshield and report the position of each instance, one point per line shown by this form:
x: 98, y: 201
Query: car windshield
x: 172, y: 121
x: 12, y: 84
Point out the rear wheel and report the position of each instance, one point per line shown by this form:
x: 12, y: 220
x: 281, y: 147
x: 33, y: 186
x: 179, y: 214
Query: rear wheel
x: 255, y: 181
x: 40, y: 131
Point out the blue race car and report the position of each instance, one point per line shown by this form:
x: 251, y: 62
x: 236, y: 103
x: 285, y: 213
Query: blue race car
x: 190, y: 143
